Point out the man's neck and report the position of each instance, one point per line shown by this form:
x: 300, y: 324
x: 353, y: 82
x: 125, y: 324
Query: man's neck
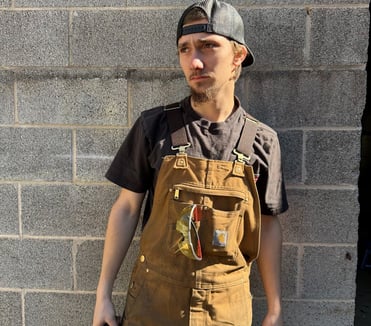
x: 216, y: 110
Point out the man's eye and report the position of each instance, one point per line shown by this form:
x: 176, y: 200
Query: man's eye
x: 183, y: 50
x: 209, y: 45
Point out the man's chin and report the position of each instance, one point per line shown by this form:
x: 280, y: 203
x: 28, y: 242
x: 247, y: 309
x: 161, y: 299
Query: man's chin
x: 203, y: 96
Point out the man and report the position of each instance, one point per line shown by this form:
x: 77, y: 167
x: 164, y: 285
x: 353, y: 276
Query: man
x: 203, y: 225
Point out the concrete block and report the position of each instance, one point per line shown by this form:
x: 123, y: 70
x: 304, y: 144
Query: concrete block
x: 339, y: 36
x: 242, y: 3
x: 9, y: 210
x: 66, y: 210
x: 135, y: 38
x: 321, y: 215
x: 289, y: 268
x: 41, y: 264
x: 314, y: 313
x: 70, y: 3
x: 332, y: 157
x: 275, y: 35
x: 119, y: 303
x: 6, y: 102
x: 5, y: 3
x: 74, y: 309
x: 153, y: 89
x: 88, y: 266
x: 329, y: 272
x: 333, y: 2
x: 10, y: 308
x: 59, y: 309
x: 310, y: 313
x: 34, y: 38
x: 259, y: 308
x: 347, y: 2
x: 291, y: 2
x: 95, y: 151
x: 78, y: 101
x: 256, y: 286
x: 306, y: 98
x: 291, y: 143
x: 35, y: 154
x: 140, y: 3
x: 289, y: 274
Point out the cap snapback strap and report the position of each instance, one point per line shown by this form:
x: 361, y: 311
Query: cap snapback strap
x: 198, y: 28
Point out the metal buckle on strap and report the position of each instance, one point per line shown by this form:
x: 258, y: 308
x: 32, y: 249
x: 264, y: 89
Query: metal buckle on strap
x: 181, y: 148
x: 241, y: 157
x: 252, y: 120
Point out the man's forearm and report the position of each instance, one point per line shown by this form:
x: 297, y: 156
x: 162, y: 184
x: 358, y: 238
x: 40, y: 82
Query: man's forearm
x: 121, y: 228
x: 115, y: 249
x: 269, y: 262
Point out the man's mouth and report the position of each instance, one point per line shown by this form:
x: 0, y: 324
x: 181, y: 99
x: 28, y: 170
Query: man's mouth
x: 198, y: 76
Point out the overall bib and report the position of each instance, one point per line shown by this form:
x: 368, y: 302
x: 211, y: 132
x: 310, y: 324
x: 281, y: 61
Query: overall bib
x: 169, y: 289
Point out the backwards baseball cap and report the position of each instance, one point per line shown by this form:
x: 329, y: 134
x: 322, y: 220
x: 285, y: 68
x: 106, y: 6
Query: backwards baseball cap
x: 223, y: 19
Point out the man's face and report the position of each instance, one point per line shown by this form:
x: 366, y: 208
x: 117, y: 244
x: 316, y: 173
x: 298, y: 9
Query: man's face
x: 208, y: 63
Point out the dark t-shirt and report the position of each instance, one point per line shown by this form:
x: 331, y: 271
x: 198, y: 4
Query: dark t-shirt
x: 138, y: 161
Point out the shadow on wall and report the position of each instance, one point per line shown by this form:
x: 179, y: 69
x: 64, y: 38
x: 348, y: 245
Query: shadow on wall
x: 363, y: 293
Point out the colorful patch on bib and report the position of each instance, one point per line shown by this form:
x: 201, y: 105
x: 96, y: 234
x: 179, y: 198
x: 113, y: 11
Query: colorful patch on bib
x: 220, y: 238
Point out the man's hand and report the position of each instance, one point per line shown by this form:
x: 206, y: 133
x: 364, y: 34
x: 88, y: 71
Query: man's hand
x: 272, y: 320
x: 104, y: 313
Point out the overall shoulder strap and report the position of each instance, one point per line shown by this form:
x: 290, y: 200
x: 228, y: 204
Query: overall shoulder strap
x: 244, y: 148
x: 179, y: 138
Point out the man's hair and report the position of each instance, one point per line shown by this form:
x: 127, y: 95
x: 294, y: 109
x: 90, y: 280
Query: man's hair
x: 198, y: 14
x: 237, y: 50
x: 194, y: 15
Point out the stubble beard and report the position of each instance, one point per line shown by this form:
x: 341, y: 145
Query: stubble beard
x: 204, y: 96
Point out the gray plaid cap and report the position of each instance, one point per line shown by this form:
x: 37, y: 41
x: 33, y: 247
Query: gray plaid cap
x: 223, y: 19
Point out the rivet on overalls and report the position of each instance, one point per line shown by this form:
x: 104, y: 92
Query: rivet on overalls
x: 181, y: 161
x: 142, y: 259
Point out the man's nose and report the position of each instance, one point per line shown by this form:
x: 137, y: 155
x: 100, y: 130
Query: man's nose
x: 196, y: 62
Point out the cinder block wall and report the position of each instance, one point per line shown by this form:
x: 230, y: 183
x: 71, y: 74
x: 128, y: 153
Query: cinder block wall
x: 74, y: 76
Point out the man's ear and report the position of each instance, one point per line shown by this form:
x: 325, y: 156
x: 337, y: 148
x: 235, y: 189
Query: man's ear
x: 240, y: 55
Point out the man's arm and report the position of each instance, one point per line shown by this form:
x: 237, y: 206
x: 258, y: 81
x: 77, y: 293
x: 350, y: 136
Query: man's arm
x: 269, y: 263
x: 121, y: 228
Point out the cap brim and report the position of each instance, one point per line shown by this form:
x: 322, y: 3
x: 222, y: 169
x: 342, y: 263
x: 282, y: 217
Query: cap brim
x: 249, y: 60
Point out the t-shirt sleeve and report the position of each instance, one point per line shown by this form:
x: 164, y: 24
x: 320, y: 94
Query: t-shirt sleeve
x: 270, y: 184
x: 130, y: 168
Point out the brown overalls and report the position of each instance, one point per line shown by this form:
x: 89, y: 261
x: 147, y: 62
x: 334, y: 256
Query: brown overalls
x: 169, y: 289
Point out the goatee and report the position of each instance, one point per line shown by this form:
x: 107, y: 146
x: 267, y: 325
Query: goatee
x: 205, y: 96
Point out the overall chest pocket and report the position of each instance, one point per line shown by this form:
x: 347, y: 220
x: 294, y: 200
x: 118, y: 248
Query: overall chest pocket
x: 218, y: 221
